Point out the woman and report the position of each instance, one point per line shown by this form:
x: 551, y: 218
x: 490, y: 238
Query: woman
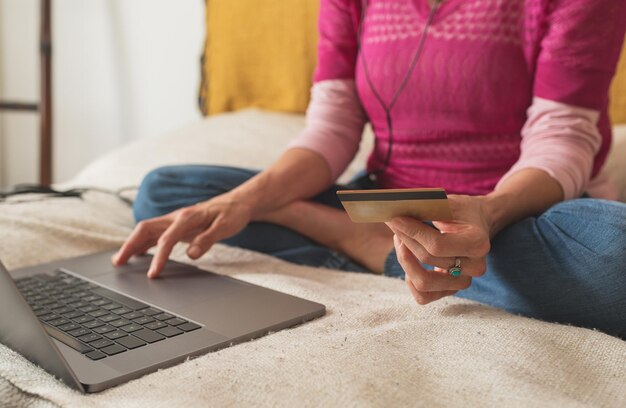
x: 502, y: 103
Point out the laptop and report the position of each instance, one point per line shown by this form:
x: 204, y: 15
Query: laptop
x: 95, y: 326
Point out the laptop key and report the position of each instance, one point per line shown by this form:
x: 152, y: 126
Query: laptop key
x: 101, y: 343
x: 131, y: 328
x: 188, y: 327
x: 101, y: 302
x: 148, y: 335
x: 64, y: 309
x: 88, y: 338
x: 50, y: 317
x: 156, y: 325
x: 109, y: 318
x: 59, y: 322
x: 121, y: 311
x: 132, y: 316
x: 55, y: 305
x: 67, y: 340
x: 104, y: 329
x: 42, y: 312
x: 83, y: 319
x: 170, y: 331
x: 79, y: 332
x: 74, y: 314
x: 131, y: 342
x: 96, y: 355
x: 120, y: 322
x: 93, y: 324
x: 78, y: 304
x: 69, y: 326
x: 164, y: 316
x: 88, y: 309
x: 65, y: 297
x: 175, y: 321
x: 144, y: 320
x: 113, y: 350
x: 111, y: 306
x: 151, y: 311
x: 114, y: 335
x: 70, y: 299
x: 98, y: 313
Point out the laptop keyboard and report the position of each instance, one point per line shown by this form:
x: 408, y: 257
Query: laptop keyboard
x: 96, y: 321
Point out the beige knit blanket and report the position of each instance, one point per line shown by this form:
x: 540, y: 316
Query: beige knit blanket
x: 374, y: 347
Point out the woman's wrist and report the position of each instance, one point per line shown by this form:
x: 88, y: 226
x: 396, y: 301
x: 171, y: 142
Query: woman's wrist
x: 494, y: 206
x: 251, y: 194
x: 526, y: 193
x: 297, y: 174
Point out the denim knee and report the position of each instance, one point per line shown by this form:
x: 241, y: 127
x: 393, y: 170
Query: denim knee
x: 169, y: 188
x: 586, y: 228
x: 145, y: 205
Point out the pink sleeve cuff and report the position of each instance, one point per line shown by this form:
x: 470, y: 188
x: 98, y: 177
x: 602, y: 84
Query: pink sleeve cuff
x: 561, y: 140
x: 334, y: 124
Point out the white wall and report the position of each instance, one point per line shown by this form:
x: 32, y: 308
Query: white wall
x: 123, y: 69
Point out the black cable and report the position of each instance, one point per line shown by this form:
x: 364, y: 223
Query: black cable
x: 405, y: 80
x: 49, y: 192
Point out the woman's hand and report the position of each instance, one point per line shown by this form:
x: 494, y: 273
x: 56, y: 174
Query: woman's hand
x: 202, y: 225
x: 299, y: 173
x: 466, y: 238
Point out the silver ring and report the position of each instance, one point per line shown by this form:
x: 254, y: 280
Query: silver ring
x: 456, y: 269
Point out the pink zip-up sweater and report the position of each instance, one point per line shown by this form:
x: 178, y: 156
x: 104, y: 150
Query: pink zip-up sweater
x: 501, y: 85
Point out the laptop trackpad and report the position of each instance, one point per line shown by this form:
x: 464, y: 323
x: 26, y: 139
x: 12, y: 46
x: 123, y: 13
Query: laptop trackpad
x: 179, y: 286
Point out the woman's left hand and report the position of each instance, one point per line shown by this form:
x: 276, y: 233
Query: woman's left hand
x: 466, y: 238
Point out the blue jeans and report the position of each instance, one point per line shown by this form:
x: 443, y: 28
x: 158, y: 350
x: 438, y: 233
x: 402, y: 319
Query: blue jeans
x: 566, y: 265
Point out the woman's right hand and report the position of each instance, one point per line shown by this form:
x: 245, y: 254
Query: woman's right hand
x: 298, y: 173
x: 202, y: 225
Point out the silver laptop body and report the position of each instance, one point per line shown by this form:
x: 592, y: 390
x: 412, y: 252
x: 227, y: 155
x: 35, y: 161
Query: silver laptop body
x: 228, y: 311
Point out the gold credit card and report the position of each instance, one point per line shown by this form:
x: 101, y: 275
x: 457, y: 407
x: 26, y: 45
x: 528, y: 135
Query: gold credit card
x: 425, y: 204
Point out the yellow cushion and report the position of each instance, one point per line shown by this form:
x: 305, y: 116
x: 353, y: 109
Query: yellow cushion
x: 259, y: 54
x: 618, y: 91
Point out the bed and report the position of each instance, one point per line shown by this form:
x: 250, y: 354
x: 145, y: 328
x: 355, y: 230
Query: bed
x: 374, y: 347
